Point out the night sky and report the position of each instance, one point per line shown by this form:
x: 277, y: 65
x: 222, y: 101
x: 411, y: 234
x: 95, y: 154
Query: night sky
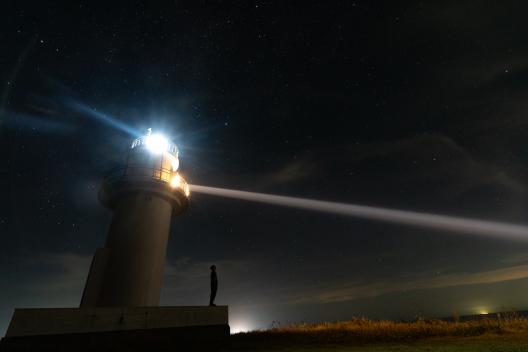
x: 411, y: 105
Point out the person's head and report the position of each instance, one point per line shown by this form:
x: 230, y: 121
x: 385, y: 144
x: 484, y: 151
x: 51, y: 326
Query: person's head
x: 213, y: 267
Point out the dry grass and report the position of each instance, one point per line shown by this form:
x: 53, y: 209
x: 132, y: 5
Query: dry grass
x: 360, y: 330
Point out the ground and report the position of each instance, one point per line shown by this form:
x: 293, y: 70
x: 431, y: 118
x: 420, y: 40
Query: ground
x: 490, y: 343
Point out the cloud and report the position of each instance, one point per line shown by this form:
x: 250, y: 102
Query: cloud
x: 50, y: 279
x: 41, y: 280
x: 187, y: 282
x: 427, y: 168
x: 345, y: 292
x: 292, y: 171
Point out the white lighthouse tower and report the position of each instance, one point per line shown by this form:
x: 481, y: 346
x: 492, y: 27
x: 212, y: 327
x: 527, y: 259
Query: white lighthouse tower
x: 144, y: 195
x: 120, y: 302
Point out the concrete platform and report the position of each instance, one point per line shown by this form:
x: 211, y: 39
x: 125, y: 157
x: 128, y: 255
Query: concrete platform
x: 115, y: 328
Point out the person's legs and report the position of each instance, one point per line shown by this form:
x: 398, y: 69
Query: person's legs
x: 212, y: 297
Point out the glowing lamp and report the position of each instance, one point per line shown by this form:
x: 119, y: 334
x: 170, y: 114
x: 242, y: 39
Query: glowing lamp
x: 156, y: 143
x: 176, y: 181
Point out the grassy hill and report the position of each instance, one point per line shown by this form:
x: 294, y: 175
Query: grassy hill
x: 508, y: 332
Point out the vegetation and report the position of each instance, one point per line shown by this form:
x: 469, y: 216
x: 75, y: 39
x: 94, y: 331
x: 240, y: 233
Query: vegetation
x: 508, y: 332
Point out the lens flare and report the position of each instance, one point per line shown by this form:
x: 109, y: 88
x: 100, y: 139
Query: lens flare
x: 411, y: 218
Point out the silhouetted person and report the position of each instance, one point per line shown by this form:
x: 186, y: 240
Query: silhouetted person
x: 214, y: 285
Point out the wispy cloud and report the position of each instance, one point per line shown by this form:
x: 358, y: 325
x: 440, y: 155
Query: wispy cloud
x: 338, y: 292
x: 293, y: 171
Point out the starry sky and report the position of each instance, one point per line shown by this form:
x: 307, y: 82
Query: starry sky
x: 411, y: 105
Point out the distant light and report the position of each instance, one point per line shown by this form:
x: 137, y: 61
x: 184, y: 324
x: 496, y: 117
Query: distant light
x: 187, y: 190
x: 176, y: 181
x: 239, y: 327
x: 484, y: 312
x: 156, y: 143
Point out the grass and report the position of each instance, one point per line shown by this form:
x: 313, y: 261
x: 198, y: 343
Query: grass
x: 507, y: 333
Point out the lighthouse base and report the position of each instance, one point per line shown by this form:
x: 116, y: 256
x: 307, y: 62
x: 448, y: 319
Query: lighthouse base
x: 129, y: 328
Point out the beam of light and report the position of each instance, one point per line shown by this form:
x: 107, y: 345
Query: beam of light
x: 109, y: 120
x: 37, y: 123
x: 11, y: 78
x: 434, y: 221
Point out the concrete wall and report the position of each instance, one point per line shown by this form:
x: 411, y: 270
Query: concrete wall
x: 137, y: 245
x: 52, y: 321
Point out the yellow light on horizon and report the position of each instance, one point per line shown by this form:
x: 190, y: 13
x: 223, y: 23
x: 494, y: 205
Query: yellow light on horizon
x: 240, y: 326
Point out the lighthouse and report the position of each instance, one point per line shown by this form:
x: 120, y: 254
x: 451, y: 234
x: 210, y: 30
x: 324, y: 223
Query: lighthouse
x: 144, y: 195
x: 120, y: 301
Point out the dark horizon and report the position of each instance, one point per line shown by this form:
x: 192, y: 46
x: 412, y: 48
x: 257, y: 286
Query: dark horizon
x: 404, y: 105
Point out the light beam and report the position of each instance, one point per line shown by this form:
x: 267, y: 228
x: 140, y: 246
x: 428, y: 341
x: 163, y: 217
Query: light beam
x: 411, y: 218
x: 107, y: 119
